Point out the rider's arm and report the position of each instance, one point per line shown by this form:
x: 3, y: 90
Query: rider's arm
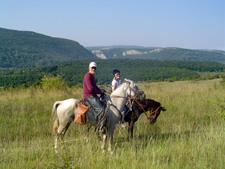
x: 113, y: 86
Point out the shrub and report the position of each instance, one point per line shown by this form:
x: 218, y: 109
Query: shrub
x: 50, y: 81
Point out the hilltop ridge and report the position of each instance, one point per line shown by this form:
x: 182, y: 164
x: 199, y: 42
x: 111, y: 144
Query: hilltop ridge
x: 26, y: 49
x: 157, y: 53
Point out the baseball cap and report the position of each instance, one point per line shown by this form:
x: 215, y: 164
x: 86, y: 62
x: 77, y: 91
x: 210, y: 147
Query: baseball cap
x: 92, y: 64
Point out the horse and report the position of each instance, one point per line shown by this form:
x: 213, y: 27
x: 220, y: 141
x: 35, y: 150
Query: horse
x: 139, y: 107
x: 65, y: 112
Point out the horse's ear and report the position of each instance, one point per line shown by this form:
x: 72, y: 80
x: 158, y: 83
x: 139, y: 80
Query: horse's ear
x: 162, y: 108
x: 129, y: 81
x: 126, y: 80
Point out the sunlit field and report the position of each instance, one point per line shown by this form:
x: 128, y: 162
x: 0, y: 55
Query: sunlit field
x: 190, y: 134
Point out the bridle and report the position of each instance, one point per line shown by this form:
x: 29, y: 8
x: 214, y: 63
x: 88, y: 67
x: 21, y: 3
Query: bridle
x: 129, y: 97
x: 151, y: 114
x: 135, y: 91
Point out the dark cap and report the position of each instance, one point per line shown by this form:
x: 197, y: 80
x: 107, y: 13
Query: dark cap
x: 115, y: 71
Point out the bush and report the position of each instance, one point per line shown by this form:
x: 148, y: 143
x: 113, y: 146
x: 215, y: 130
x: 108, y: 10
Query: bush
x: 50, y: 81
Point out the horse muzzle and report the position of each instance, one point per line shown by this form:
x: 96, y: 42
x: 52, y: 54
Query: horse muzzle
x: 152, y: 121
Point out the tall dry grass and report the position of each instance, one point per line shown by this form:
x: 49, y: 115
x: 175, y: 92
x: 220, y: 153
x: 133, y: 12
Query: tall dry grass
x: 190, y: 134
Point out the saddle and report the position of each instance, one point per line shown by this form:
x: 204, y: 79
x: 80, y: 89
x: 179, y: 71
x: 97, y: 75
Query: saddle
x: 81, y: 114
x: 82, y: 109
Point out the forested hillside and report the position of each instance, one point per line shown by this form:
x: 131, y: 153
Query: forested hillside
x: 24, y: 49
x: 124, y: 52
x: 137, y: 70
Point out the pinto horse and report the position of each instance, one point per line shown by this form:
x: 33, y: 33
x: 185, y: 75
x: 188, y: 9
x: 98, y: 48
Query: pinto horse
x: 142, y: 106
x: 65, y: 112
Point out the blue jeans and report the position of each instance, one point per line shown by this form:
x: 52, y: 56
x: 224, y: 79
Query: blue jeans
x: 125, y: 109
x: 97, y: 106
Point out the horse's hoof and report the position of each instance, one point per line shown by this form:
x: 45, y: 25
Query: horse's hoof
x: 56, y: 151
x: 103, y: 151
x: 86, y: 139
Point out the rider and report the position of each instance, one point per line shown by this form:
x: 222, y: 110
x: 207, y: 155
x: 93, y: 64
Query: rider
x: 90, y: 91
x: 116, y: 79
x: 115, y: 83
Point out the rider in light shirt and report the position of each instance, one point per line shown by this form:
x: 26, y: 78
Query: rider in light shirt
x: 115, y: 84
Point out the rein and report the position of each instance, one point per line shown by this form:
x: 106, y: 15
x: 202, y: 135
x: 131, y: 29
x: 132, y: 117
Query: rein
x: 129, y: 97
x: 148, y: 116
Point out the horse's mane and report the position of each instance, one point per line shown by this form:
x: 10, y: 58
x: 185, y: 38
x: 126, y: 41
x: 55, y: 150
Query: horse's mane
x: 148, y: 102
x: 153, y: 102
x: 117, y: 89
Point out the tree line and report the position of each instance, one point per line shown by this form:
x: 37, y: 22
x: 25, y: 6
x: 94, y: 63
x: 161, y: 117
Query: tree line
x: 137, y: 70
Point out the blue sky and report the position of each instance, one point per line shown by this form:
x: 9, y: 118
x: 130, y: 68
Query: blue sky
x: 192, y: 24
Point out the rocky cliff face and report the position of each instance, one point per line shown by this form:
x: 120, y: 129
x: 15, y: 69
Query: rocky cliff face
x: 156, y: 53
x: 99, y: 54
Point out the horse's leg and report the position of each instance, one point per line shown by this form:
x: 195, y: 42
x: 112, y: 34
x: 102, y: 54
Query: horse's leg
x: 56, y: 143
x: 104, y: 138
x: 110, y: 144
x: 87, y: 132
x: 110, y: 135
x: 61, y: 131
x: 130, y: 129
x: 56, y: 135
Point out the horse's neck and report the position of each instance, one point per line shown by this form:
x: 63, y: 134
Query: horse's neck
x: 119, y: 97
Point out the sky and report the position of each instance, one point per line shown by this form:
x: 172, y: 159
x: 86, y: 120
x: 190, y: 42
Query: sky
x: 190, y: 24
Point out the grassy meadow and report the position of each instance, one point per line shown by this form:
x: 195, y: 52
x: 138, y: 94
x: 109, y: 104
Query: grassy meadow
x: 190, y: 134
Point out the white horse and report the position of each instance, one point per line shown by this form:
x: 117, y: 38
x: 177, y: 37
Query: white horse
x: 65, y: 112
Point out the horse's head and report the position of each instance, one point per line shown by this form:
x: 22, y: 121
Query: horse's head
x: 150, y: 105
x: 135, y: 90
x: 155, y: 113
x: 155, y: 109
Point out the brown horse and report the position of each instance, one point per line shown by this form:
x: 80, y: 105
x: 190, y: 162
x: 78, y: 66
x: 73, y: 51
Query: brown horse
x: 139, y: 107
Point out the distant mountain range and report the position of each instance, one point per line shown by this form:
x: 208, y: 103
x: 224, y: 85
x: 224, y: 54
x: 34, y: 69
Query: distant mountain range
x: 156, y: 53
x: 26, y: 49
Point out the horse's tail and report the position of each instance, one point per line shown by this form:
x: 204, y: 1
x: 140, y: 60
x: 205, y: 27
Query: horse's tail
x: 55, y: 106
x: 55, y: 126
x: 56, y: 122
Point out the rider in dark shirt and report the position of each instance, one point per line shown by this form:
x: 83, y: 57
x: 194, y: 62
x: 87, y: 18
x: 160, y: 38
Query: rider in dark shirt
x: 90, y: 91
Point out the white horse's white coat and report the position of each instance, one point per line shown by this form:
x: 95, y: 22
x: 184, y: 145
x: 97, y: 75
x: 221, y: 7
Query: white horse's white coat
x: 65, y: 112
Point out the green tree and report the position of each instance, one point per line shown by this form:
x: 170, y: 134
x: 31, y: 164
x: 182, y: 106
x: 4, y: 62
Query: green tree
x: 51, y: 81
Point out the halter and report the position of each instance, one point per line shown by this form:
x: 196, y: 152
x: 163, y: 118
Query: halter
x: 151, y: 114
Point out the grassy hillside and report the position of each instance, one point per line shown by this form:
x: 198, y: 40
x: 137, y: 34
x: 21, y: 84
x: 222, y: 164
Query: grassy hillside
x: 159, y: 54
x: 190, y: 134
x: 24, y: 49
x: 138, y: 70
